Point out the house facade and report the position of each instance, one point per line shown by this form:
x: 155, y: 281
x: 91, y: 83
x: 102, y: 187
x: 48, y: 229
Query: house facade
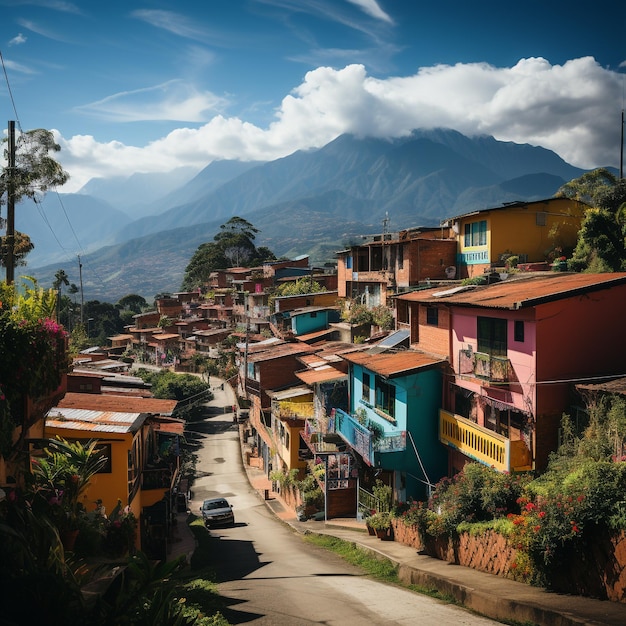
x: 392, y: 419
x: 515, y: 349
x: 392, y: 262
x: 141, y: 441
x: 535, y: 232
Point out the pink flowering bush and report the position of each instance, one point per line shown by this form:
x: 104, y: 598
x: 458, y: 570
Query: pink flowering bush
x: 34, y: 362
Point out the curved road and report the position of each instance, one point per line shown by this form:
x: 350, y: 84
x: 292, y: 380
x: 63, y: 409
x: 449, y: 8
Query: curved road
x: 268, y: 575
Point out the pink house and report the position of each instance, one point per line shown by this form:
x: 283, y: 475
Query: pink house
x: 516, y: 350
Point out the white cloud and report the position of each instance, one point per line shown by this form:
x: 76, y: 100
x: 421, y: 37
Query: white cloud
x: 371, y: 7
x: 17, y: 40
x: 572, y: 109
x: 174, y: 100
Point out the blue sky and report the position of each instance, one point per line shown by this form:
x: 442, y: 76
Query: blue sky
x: 152, y: 85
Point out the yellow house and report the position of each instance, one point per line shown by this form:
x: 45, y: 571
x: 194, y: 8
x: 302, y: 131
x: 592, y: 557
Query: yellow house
x: 290, y: 408
x: 535, y: 232
x: 141, y: 441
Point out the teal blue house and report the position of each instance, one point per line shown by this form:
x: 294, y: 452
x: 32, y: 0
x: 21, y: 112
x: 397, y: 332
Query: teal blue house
x: 311, y: 319
x: 393, y: 420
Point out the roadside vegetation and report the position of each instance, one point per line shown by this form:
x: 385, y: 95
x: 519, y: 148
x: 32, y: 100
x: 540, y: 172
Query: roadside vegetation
x: 550, y: 519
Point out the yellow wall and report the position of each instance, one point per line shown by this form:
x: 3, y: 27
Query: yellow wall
x: 106, y: 487
x: 514, y: 230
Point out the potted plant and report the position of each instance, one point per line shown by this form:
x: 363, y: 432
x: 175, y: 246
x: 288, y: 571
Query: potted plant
x: 381, y: 523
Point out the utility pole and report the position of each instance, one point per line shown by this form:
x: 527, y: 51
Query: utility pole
x: 82, y: 300
x: 10, y: 237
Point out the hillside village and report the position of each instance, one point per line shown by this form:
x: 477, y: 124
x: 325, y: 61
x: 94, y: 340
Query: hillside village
x: 489, y: 341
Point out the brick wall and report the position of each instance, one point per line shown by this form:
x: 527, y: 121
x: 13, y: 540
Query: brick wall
x: 435, y: 339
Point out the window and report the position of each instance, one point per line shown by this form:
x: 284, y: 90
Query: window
x: 385, y: 397
x: 432, y: 316
x: 366, y: 386
x: 541, y: 218
x: 492, y: 336
x: 349, y: 262
x: 476, y: 234
x: 518, y: 330
x: 402, y: 311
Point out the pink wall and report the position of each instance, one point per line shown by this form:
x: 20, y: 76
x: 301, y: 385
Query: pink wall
x: 521, y: 354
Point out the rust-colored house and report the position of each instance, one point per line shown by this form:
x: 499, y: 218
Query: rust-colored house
x: 393, y: 262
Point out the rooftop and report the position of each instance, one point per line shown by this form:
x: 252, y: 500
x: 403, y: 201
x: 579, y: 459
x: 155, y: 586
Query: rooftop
x: 393, y: 364
x: 522, y: 291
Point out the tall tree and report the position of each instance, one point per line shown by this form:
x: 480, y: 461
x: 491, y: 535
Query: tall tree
x: 601, y: 245
x: 232, y: 246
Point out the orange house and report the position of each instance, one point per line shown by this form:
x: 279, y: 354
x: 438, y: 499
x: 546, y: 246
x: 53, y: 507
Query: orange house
x: 141, y: 441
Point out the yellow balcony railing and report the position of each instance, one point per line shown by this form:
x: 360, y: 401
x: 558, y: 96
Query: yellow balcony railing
x: 483, y: 445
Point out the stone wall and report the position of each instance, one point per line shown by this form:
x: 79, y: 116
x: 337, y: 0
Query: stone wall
x: 597, y: 570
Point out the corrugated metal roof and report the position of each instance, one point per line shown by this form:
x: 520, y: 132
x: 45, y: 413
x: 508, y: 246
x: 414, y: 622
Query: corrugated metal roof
x: 94, y: 421
x: 292, y: 392
x: 316, y: 335
x: 522, y: 291
x: 321, y: 375
x: 392, y: 364
x: 123, y: 404
x: 287, y: 349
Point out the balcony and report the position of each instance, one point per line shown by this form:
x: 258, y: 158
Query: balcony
x: 483, y: 365
x: 292, y: 410
x: 364, y: 441
x: 483, y: 445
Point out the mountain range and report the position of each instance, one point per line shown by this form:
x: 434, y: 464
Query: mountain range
x: 311, y: 203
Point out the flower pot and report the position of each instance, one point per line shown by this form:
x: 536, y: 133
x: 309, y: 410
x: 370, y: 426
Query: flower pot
x: 371, y: 531
x: 384, y: 534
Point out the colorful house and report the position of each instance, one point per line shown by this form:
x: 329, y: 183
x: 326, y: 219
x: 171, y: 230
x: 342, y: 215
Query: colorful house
x: 264, y: 367
x: 535, y: 232
x: 515, y: 350
x: 391, y: 424
x: 141, y: 441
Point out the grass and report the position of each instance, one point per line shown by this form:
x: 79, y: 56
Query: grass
x: 379, y: 568
x: 383, y: 569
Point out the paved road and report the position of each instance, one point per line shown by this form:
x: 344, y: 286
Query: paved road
x: 269, y: 575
